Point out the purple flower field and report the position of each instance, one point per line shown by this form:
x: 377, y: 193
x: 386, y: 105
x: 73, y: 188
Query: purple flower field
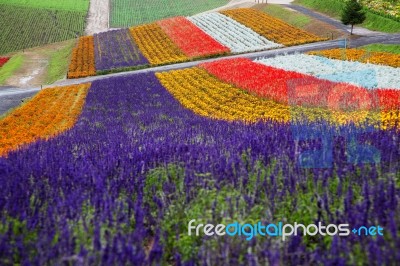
x: 121, y: 186
x: 117, y: 49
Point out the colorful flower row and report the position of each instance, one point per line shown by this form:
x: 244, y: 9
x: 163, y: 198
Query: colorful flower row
x: 116, y: 49
x: 120, y: 186
x: 370, y: 76
x: 295, y: 88
x: 182, y: 39
x: 360, y: 55
x: 156, y: 46
x: 271, y: 28
x: 3, y: 60
x: 207, y: 96
x: 51, y: 112
x: 83, y: 59
x: 237, y: 37
x: 190, y: 39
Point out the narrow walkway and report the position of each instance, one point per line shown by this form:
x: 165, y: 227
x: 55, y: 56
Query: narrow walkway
x: 336, y: 23
x: 98, y: 17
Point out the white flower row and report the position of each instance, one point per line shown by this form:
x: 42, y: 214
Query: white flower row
x: 366, y: 75
x: 237, y: 37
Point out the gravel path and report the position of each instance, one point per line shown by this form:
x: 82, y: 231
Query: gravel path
x: 98, y: 16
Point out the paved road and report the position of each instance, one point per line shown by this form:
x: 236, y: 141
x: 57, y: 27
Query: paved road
x: 19, y: 93
x: 11, y: 101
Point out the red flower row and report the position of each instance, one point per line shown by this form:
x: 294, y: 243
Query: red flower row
x: 298, y: 89
x: 190, y: 39
x: 3, y: 60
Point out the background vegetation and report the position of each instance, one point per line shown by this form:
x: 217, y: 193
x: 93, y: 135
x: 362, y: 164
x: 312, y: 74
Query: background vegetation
x: 26, y: 24
x: 126, y: 13
x: 334, y: 8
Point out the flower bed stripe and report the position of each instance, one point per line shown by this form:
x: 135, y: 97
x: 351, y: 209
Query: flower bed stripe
x: 366, y: 75
x: 116, y: 49
x: 190, y: 39
x: 82, y: 61
x: 237, y: 37
x: 271, y: 28
x: 360, y: 55
x: 51, y: 112
x: 207, y: 96
x: 156, y: 46
x: 297, y: 89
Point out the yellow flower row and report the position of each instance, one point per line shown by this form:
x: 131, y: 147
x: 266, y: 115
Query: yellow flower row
x: 49, y: 113
x: 156, y: 46
x: 380, y: 58
x: 271, y: 28
x: 205, y: 95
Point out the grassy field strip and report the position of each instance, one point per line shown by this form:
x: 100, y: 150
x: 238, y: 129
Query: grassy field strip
x: 126, y: 13
x: 10, y: 67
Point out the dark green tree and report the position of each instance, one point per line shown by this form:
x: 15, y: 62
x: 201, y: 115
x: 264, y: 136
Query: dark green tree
x: 353, y: 14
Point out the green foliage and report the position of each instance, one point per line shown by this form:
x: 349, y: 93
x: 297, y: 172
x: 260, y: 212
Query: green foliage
x: 293, y: 18
x: 59, y: 61
x: 23, y: 27
x: 10, y: 67
x: 390, y: 48
x: 67, y: 5
x: 330, y: 7
x: 333, y: 8
x: 15, y: 226
x: 126, y: 13
x: 379, y: 23
x: 353, y: 13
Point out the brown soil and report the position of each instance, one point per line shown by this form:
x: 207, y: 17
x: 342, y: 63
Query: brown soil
x: 323, y: 29
x: 315, y: 26
x: 33, y: 71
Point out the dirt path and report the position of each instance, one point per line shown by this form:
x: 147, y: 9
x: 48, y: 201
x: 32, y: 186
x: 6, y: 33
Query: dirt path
x: 98, y: 16
x: 33, y: 71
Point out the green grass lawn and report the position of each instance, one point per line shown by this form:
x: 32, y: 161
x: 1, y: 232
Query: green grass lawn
x: 294, y: 18
x: 390, y: 48
x: 24, y: 27
x: 59, y: 61
x: 67, y: 5
x: 126, y: 13
x: 379, y: 23
x: 10, y: 67
x: 334, y: 8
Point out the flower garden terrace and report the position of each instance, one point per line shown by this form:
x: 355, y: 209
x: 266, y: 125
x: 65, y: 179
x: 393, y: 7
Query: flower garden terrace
x: 147, y: 153
x: 177, y: 39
